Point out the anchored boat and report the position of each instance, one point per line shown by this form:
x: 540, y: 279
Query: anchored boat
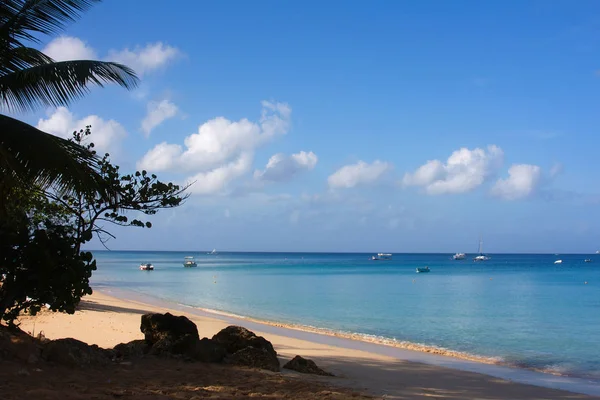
x: 422, y: 269
x: 146, y: 267
x: 189, y: 262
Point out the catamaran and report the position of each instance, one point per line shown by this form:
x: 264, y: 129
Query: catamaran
x: 481, y: 256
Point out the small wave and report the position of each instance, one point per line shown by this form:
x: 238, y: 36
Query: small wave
x: 364, y: 337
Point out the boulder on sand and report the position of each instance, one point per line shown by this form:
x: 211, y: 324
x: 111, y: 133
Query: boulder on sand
x: 207, y: 350
x: 254, y: 358
x: 75, y: 353
x: 157, y: 327
x: 133, y: 349
x: 236, y: 338
x: 305, y: 366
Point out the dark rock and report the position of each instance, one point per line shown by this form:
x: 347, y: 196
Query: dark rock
x: 133, y: 349
x: 157, y: 327
x: 305, y: 366
x: 255, y: 358
x: 208, y: 350
x: 75, y: 353
x: 236, y: 338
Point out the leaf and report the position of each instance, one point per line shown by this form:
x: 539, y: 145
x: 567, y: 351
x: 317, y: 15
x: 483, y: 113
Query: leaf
x: 31, y: 157
x: 22, y: 18
x: 58, y: 84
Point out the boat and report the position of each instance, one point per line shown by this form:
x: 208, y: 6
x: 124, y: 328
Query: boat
x: 384, y: 256
x: 422, y: 269
x: 587, y: 260
x: 214, y: 251
x: 481, y: 256
x: 189, y: 262
x: 597, y: 251
x: 558, y: 262
x: 459, y: 256
x: 375, y: 258
x: 146, y: 267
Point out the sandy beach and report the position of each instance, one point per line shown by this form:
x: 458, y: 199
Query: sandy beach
x: 106, y: 321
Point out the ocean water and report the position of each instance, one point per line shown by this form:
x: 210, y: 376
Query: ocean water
x: 515, y: 309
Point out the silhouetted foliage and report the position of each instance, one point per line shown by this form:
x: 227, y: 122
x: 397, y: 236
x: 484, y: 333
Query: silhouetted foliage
x: 41, y: 261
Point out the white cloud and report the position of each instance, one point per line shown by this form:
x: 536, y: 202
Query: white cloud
x: 145, y: 59
x: 282, y: 168
x: 217, y: 179
x: 357, y: 174
x: 106, y: 135
x: 66, y: 48
x: 522, y: 181
x: 157, y: 113
x: 463, y: 171
x: 219, y: 141
x: 221, y: 151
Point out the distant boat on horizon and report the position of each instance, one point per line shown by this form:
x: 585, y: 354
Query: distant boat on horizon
x: 459, y: 256
x: 214, y: 251
x: 481, y: 256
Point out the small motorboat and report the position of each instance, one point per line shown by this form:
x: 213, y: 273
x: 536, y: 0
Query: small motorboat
x: 422, y: 269
x: 375, y: 258
x: 587, y: 260
x: 459, y: 256
x: 558, y: 262
x: 189, y: 262
x: 146, y: 267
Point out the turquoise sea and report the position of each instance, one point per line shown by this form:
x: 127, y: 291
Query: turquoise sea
x: 515, y: 309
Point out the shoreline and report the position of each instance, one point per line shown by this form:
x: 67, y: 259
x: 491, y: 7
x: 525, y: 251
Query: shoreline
x: 404, y: 351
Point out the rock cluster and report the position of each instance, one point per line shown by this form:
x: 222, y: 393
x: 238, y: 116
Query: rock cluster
x: 165, y: 335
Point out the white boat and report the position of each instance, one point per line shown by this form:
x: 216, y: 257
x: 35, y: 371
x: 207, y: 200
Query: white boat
x: 481, y: 256
x: 459, y: 256
x: 146, y: 267
x: 588, y: 260
x: 558, y: 262
x: 189, y: 262
x: 214, y: 251
x: 384, y: 256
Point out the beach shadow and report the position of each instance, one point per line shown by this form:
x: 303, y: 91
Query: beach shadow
x: 411, y: 380
x: 90, y: 305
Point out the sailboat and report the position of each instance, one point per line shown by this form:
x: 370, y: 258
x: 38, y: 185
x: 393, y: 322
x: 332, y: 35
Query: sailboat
x: 213, y: 252
x: 481, y: 256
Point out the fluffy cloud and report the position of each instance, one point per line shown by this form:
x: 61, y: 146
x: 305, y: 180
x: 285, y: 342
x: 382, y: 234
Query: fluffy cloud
x: 66, y: 48
x: 157, y: 113
x: 282, y: 168
x: 216, y: 180
x: 145, y: 59
x: 106, y: 135
x: 522, y: 181
x: 222, y: 150
x: 142, y: 59
x: 463, y: 171
x: 219, y: 141
x: 357, y: 174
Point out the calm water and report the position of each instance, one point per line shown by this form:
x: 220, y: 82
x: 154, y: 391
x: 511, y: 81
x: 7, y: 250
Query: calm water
x: 521, y: 309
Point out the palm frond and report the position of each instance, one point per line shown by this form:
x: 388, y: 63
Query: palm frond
x: 20, y: 57
x: 29, y: 156
x: 57, y: 84
x: 21, y: 19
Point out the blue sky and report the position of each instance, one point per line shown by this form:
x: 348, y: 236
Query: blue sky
x: 352, y: 126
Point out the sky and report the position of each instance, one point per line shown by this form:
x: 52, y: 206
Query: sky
x: 396, y: 126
